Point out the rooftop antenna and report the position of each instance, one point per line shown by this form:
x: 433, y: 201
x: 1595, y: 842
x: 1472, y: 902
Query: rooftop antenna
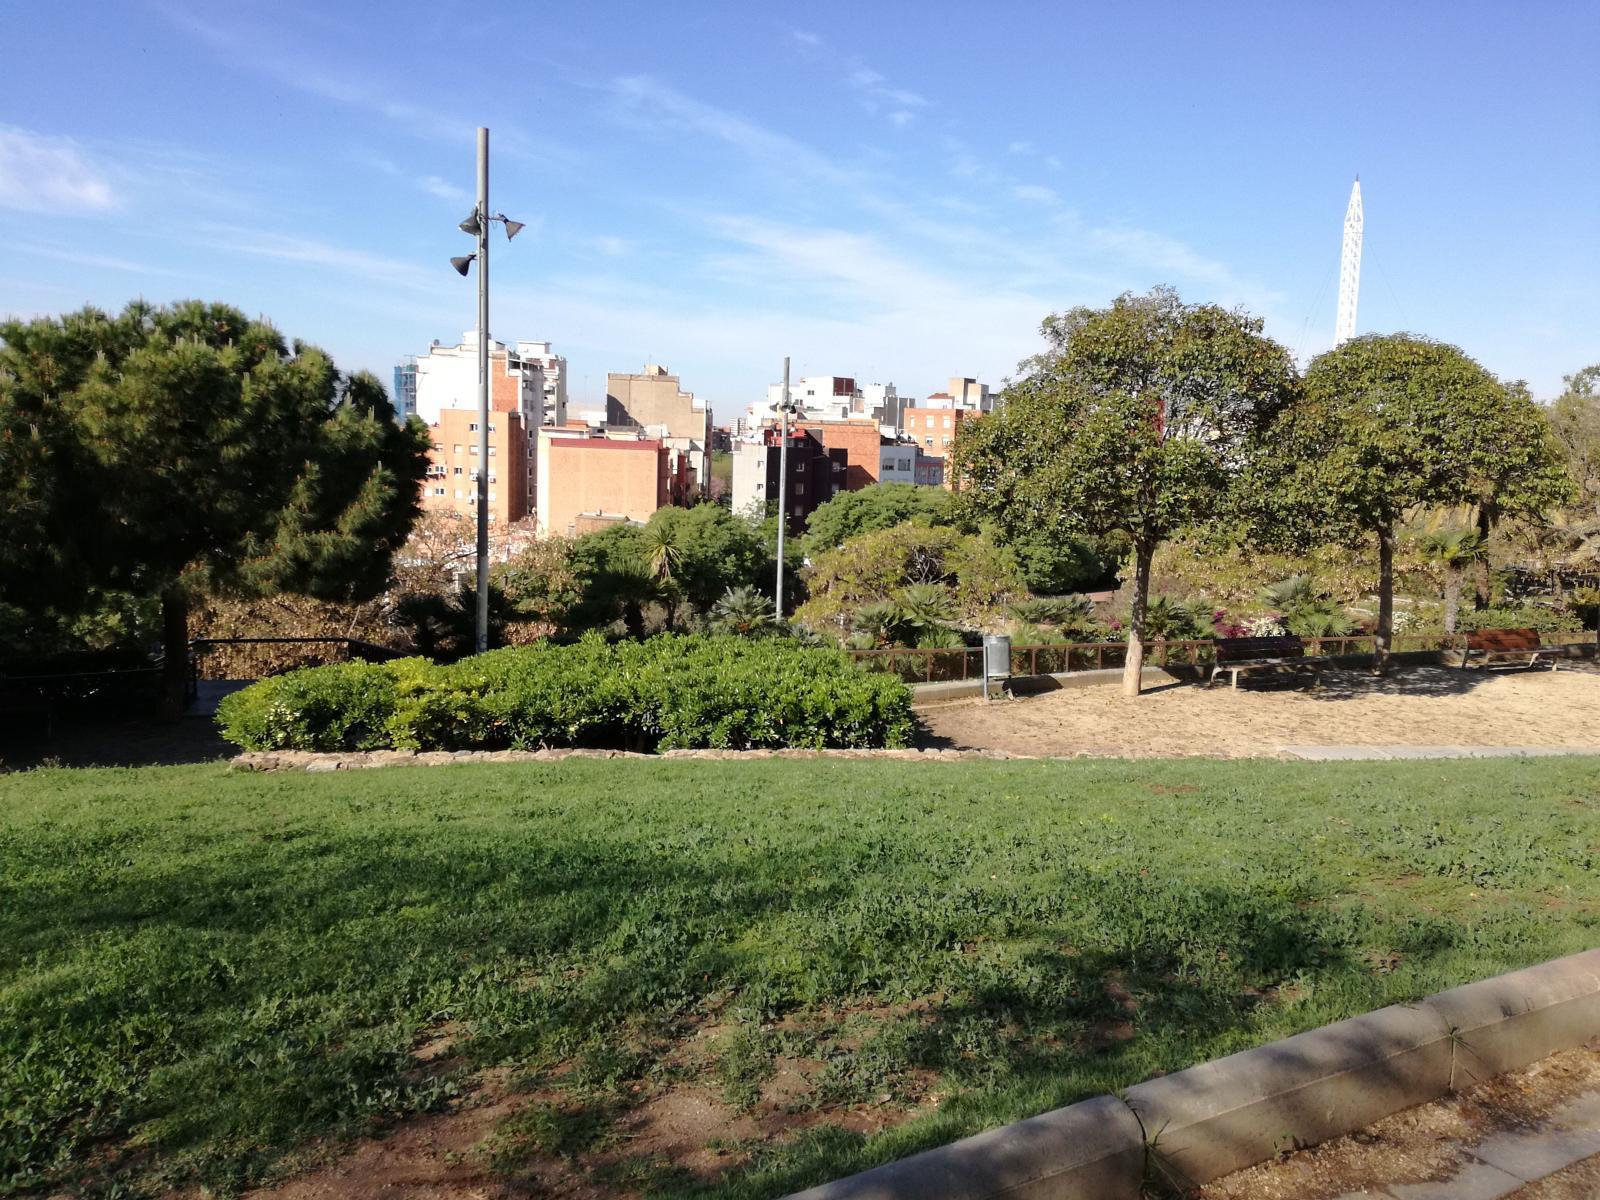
x: 1349, y: 268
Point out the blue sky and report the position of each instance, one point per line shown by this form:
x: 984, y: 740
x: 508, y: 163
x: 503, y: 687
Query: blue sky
x: 898, y: 192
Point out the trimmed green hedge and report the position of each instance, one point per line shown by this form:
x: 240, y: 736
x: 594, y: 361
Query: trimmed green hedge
x: 669, y: 692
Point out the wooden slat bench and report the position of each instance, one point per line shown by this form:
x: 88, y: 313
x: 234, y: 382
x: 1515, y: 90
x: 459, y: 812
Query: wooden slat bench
x: 1237, y: 655
x: 1508, y: 647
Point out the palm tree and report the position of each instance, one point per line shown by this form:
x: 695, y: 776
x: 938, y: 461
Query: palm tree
x: 926, y: 607
x: 743, y: 611
x: 1455, y: 550
x: 663, y: 553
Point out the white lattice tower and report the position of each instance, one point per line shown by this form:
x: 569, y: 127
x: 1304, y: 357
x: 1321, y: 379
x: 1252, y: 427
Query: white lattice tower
x: 1349, y: 268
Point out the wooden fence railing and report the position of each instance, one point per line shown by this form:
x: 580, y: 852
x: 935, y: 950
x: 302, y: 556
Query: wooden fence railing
x: 937, y: 666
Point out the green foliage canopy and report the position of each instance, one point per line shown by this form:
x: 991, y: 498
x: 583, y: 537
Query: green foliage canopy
x: 1135, y: 420
x: 1388, y: 424
x: 882, y: 506
x: 167, y: 448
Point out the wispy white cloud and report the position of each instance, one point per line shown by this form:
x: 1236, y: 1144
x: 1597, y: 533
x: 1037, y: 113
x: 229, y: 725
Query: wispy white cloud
x: 442, y: 188
x: 101, y: 261
x: 261, y: 49
x: 652, y: 104
x: 1035, y: 193
x: 806, y: 38
x: 875, y: 86
x: 1019, y: 148
x: 283, y: 247
x: 901, y: 118
x: 44, y: 174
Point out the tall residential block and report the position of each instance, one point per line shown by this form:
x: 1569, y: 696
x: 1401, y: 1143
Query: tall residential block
x: 654, y: 402
x: 405, y: 389
x: 816, y: 474
x: 586, y: 482
x: 444, y: 382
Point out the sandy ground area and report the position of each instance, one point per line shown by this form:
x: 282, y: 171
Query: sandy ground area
x: 1447, y: 1145
x: 1420, y: 706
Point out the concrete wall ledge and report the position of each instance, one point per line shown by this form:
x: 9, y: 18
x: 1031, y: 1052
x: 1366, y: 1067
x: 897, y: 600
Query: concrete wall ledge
x: 1193, y: 1126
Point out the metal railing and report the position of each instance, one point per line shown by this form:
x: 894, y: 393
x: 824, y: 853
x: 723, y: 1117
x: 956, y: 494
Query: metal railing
x: 916, y: 665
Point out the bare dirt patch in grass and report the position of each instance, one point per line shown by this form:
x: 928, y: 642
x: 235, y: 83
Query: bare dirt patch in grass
x: 713, y: 1096
x: 1419, y: 706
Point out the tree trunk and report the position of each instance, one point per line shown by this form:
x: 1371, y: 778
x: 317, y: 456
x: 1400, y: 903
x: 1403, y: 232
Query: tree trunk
x: 1385, y: 597
x: 174, y: 653
x: 1486, y: 519
x: 1133, y: 669
x: 1452, y: 597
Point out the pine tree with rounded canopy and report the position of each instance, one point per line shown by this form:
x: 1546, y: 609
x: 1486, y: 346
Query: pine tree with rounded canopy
x: 190, y: 449
x: 1135, y: 420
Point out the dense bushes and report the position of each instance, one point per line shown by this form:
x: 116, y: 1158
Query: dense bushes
x: 665, y: 693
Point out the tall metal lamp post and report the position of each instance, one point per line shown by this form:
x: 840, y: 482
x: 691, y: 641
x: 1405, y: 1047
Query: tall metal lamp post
x: 784, y: 409
x: 478, y: 225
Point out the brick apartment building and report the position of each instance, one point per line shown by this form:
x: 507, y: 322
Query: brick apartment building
x: 586, y: 482
x: 442, y: 385
x: 816, y: 474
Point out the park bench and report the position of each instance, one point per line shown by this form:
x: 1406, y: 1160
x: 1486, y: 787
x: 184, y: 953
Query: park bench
x: 1237, y: 655
x: 1508, y: 647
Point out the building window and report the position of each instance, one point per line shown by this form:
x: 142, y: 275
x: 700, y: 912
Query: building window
x: 800, y: 467
x: 440, y: 492
x: 905, y: 464
x: 946, y: 441
x: 473, y: 427
x: 799, y: 489
x: 947, y: 422
x: 491, y: 451
x: 439, y: 446
x: 837, y: 466
x: 458, y: 447
x: 458, y: 470
x: 470, y: 449
x: 928, y: 440
x: 836, y: 489
x: 491, y: 476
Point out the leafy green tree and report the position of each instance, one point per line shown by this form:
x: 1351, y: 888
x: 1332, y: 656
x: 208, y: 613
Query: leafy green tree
x: 979, y: 578
x: 1516, y: 470
x: 188, y: 449
x: 1053, y: 565
x: 1454, y: 550
x: 716, y: 550
x: 540, y: 583
x: 1575, y: 419
x: 1135, y: 421
x: 881, y: 506
x: 1388, y: 424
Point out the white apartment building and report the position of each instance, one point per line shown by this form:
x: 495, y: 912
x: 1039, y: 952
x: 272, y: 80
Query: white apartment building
x: 831, y: 398
x: 447, y: 378
x: 554, y: 368
x: 967, y: 395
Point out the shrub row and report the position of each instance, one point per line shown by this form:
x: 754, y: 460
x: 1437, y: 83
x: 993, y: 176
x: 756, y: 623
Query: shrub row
x: 669, y: 692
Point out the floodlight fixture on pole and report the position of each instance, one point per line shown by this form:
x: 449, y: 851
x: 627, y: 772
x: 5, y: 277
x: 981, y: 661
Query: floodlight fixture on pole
x: 477, y: 225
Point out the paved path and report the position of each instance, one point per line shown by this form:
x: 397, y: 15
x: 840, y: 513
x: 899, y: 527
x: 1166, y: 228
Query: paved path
x: 1363, y: 753
x: 1532, y: 1134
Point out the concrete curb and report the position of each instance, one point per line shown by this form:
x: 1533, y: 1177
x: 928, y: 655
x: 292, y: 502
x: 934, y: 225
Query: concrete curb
x: 1218, y: 1117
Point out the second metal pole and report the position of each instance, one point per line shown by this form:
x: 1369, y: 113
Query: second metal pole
x: 483, y: 390
x: 783, y: 484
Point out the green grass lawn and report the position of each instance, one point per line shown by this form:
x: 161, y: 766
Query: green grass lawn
x: 205, y: 973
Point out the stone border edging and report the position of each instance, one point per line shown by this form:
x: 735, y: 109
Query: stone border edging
x: 1197, y: 1125
x: 350, y: 760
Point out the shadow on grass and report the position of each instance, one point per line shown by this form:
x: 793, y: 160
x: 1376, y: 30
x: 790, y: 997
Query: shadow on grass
x: 267, y: 991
